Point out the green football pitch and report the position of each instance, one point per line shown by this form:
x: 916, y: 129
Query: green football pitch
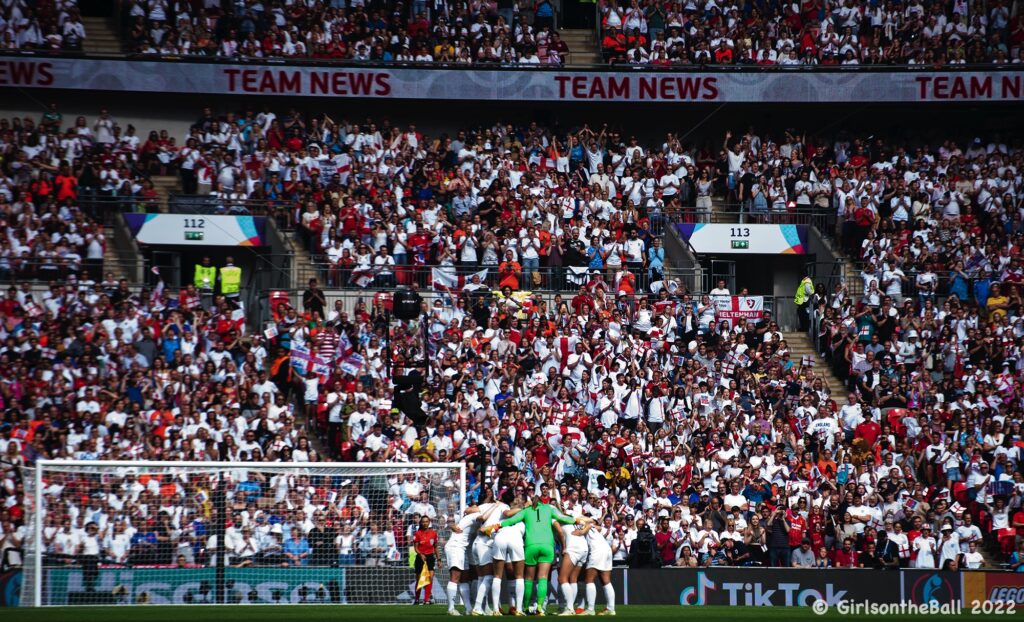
x: 400, y: 613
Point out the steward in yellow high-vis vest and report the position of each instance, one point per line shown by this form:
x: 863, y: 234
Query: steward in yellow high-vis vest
x: 802, y: 299
x: 230, y: 279
x: 205, y: 275
x: 804, y: 291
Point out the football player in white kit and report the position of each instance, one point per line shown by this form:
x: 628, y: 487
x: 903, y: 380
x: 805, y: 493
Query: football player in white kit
x: 491, y: 513
x: 574, y: 555
x: 456, y: 553
x: 598, y: 564
x: 510, y: 554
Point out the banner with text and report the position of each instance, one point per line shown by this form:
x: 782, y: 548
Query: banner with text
x: 812, y: 86
x: 758, y: 587
x: 183, y: 586
x: 243, y: 586
x: 188, y: 229
x: 732, y: 308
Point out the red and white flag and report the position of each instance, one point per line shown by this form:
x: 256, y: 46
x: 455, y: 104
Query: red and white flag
x: 344, y: 347
x: 362, y: 276
x: 543, y: 162
x: 156, y: 297
x: 557, y: 436
x: 731, y: 308
x: 447, y: 281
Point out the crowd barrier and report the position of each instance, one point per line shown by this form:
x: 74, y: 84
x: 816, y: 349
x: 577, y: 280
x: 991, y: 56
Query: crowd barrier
x: 760, y: 587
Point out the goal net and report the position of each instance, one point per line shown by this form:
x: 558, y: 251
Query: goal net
x: 108, y: 533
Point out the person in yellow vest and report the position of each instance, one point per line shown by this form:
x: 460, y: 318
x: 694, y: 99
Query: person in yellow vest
x: 231, y: 280
x: 204, y: 279
x: 802, y: 299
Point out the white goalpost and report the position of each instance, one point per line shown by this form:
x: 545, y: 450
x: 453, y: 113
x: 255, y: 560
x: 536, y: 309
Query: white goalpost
x: 114, y: 532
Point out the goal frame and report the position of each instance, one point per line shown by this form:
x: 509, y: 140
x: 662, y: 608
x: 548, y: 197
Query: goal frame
x: 40, y: 466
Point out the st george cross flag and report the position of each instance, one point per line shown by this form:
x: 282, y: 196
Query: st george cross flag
x: 361, y: 276
x: 732, y: 308
x: 447, y: 281
x: 238, y: 319
x: 561, y: 435
x: 156, y: 297
x: 543, y: 162
x: 344, y: 347
x: 304, y: 361
x: 352, y: 365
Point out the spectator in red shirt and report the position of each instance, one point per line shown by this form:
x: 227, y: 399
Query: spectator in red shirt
x: 582, y: 300
x: 797, y: 528
x: 869, y: 430
x: 846, y: 557
x: 664, y: 543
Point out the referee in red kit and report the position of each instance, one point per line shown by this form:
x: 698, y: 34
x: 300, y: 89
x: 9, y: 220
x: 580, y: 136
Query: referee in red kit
x: 425, y: 544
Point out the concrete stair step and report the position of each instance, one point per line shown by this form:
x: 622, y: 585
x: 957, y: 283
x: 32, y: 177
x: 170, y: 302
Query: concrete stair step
x: 101, y: 37
x: 119, y: 261
x: 584, y: 58
x: 800, y: 345
x: 583, y: 47
x: 165, y: 186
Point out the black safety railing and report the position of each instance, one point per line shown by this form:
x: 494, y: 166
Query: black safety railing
x: 456, y: 278
x: 631, y: 68
x: 824, y: 218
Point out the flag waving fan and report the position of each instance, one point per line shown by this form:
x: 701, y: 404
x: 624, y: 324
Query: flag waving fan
x: 557, y: 436
x: 157, y: 296
x: 447, y: 281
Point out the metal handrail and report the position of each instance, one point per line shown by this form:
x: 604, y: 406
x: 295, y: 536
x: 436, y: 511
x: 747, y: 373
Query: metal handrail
x: 550, y: 278
x: 604, y: 67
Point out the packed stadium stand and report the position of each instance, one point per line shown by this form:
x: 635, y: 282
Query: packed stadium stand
x: 697, y: 428
x: 811, y: 33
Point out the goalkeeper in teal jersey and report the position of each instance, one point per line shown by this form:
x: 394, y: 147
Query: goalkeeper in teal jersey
x: 539, y: 545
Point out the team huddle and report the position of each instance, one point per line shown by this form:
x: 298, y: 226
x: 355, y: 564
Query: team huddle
x: 510, y: 544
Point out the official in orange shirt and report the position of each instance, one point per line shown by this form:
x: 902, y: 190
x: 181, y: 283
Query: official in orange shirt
x: 509, y: 271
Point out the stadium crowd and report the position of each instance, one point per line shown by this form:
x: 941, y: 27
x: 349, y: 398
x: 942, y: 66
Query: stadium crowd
x: 813, y: 32
x: 457, y: 33
x: 694, y: 441
x: 58, y: 179
x: 41, y: 25
x: 651, y: 32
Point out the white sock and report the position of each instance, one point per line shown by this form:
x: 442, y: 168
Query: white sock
x: 520, y: 593
x: 482, y: 592
x: 591, y: 590
x: 609, y: 596
x: 567, y: 595
x: 452, y: 589
x: 575, y: 593
x: 496, y: 594
x: 466, y: 592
